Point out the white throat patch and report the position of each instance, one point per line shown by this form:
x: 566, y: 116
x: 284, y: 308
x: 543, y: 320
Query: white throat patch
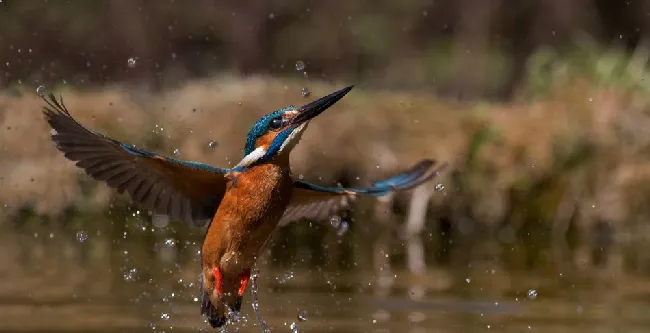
x: 252, y: 157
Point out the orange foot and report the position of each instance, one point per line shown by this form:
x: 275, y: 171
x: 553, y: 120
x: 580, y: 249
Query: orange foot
x: 243, y: 282
x: 218, y: 280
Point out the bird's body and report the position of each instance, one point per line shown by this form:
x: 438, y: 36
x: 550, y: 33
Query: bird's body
x: 248, y: 215
x: 244, y: 205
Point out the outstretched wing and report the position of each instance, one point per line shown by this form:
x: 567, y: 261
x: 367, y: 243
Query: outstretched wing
x: 315, y: 202
x: 183, y: 190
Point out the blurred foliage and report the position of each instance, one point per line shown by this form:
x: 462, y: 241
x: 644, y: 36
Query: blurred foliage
x: 468, y: 49
x: 604, y: 67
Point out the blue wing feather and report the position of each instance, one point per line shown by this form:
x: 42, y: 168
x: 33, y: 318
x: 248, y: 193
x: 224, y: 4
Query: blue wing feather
x: 403, y: 181
x: 317, y: 202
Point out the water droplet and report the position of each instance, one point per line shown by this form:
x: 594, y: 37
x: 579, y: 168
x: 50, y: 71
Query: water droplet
x: 301, y: 176
x: 343, y: 229
x: 170, y: 242
x: 177, y: 152
x: 335, y: 221
x: 293, y: 327
x: 164, y: 316
x: 236, y: 316
x: 305, y: 92
x: 532, y: 294
x: 300, y: 65
x: 82, y: 236
x: 302, y: 315
x: 440, y: 187
x: 132, y: 62
x: 212, y: 144
x: 41, y: 90
x: 468, y: 280
x: 591, y: 99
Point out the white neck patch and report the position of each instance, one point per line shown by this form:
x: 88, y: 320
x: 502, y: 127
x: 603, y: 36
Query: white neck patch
x: 252, y: 157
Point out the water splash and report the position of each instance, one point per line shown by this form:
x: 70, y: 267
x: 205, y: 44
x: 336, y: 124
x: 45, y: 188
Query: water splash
x: 255, y: 303
x: 236, y: 317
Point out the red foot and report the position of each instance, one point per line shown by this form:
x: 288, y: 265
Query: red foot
x: 218, y: 280
x: 243, y: 282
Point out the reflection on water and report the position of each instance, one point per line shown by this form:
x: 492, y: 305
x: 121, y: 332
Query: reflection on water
x: 99, y: 276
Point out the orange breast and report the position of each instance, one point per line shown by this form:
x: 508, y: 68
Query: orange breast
x: 248, y: 215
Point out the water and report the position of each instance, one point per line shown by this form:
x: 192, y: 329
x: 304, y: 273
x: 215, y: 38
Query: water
x: 126, y: 277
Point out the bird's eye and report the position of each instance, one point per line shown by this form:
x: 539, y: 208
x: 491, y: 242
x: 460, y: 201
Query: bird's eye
x: 276, y: 123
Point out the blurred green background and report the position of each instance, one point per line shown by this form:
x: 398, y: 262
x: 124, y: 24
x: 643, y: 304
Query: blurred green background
x: 541, y: 108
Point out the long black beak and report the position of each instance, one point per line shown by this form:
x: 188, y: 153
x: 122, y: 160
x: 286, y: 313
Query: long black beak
x: 313, y: 109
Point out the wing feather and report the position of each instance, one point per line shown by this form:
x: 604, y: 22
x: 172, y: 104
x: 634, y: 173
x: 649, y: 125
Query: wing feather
x: 184, y: 190
x: 318, y: 203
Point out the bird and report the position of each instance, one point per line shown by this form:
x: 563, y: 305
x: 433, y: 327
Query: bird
x: 242, y: 206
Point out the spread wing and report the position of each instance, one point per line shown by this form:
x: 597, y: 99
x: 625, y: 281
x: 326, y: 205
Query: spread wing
x: 315, y: 202
x: 183, y: 190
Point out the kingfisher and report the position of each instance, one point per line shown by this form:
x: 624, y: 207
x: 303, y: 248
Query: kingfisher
x: 242, y: 206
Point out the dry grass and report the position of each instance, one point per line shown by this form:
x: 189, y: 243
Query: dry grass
x: 512, y: 163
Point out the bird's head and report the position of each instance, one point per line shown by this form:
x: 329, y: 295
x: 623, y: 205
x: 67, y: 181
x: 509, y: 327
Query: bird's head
x: 278, y: 132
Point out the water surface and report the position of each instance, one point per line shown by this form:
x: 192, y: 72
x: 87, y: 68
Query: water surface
x: 131, y: 277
